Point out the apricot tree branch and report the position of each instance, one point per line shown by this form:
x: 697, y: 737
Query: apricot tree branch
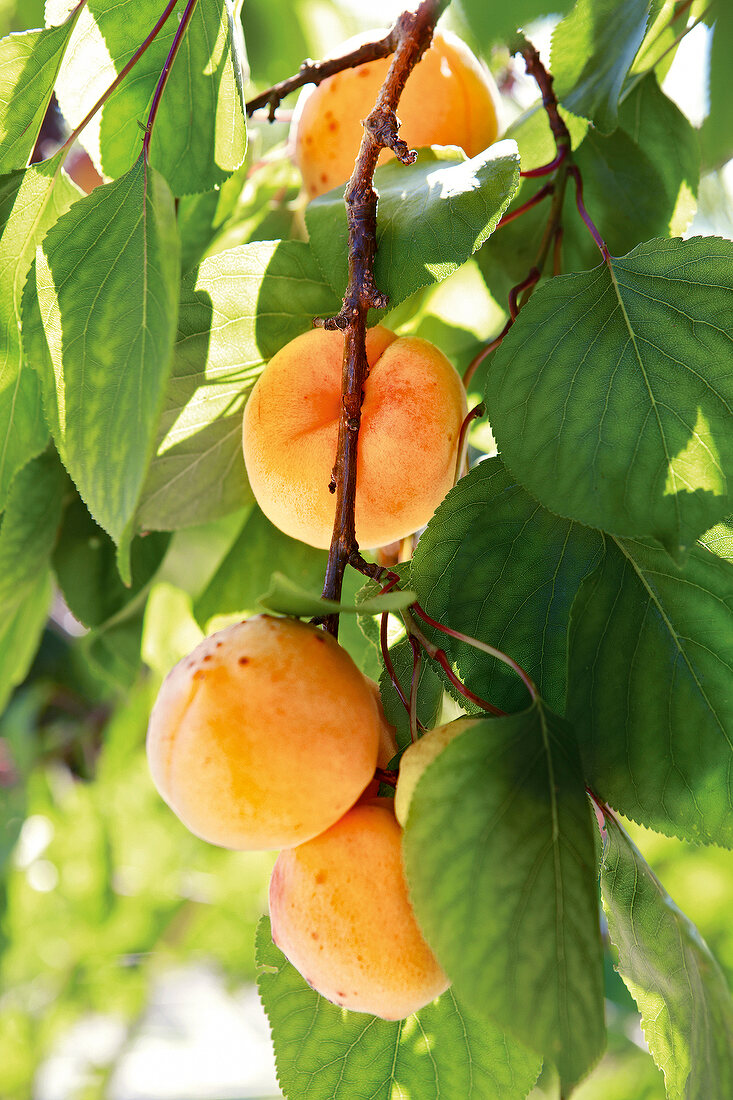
x: 413, y: 33
x: 314, y: 72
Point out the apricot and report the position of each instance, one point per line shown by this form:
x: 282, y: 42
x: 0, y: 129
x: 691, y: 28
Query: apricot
x: 265, y: 735
x: 414, y: 405
x: 341, y: 914
x: 449, y: 99
x: 416, y: 758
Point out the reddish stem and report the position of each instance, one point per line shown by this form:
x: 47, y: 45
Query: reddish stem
x: 536, y: 198
x: 547, y: 169
x: 122, y: 73
x: 165, y: 73
x: 444, y: 663
x: 485, y: 353
x: 416, y: 663
x: 590, y: 225
x: 514, y: 293
x: 476, y: 412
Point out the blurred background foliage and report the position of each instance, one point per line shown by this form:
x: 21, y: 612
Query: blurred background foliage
x: 126, y: 945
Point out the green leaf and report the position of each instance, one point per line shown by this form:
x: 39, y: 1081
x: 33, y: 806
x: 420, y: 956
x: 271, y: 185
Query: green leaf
x: 236, y: 311
x: 199, y: 137
x: 651, y: 654
x: 109, y: 313
x: 579, y: 393
x: 716, y: 134
x: 259, y: 550
x: 494, y: 564
x: 492, y: 20
x: 30, y: 203
x: 593, y: 49
x: 686, y: 1007
x: 719, y: 539
x: 326, y: 1053
x: 27, y: 536
x: 29, y: 64
x: 432, y: 217
x: 288, y: 598
x: 85, y: 564
x: 505, y: 890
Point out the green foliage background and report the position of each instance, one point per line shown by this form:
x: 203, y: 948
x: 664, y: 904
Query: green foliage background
x: 102, y: 891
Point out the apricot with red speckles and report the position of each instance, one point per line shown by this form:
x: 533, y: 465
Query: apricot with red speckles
x: 449, y: 99
x: 414, y: 405
x: 265, y: 735
x: 341, y: 914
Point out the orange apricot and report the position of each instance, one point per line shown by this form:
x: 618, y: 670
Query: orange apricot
x: 414, y: 405
x: 449, y: 99
x: 341, y: 914
x: 265, y: 735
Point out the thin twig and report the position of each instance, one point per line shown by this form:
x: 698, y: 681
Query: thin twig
x: 122, y: 74
x: 414, y: 32
x: 165, y: 73
x: 315, y: 72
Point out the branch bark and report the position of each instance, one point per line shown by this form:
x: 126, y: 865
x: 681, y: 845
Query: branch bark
x: 413, y: 34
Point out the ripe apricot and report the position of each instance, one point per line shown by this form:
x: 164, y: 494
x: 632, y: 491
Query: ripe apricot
x: 265, y: 735
x: 414, y: 405
x: 341, y: 914
x: 449, y: 99
x: 416, y: 758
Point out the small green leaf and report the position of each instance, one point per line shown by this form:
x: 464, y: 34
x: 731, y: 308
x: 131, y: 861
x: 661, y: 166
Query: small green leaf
x: 579, y: 392
x: 110, y: 337
x: 505, y: 890
x: 288, y: 598
x: 259, y: 550
x: 494, y: 564
x: 29, y: 65
x: 686, y: 1007
x: 442, y: 1050
x: 199, y: 137
x: 30, y: 203
x: 651, y: 656
x: 236, y: 311
x: 432, y: 217
x: 593, y: 49
x: 27, y: 536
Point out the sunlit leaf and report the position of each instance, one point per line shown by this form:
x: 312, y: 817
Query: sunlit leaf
x: 110, y: 338
x: 433, y: 216
x: 440, y: 1050
x: 29, y: 64
x: 30, y: 203
x: 199, y: 136
x: 611, y: 397
x: 236, y: 311
x: 593, y: 49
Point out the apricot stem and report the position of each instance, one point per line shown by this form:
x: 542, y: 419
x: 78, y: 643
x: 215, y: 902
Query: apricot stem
x: 315, y: 72
x: 413, y: 32
x: 122, y: 73
x: 475, y: 414
x: 590, y: 224
x: 165, y: 73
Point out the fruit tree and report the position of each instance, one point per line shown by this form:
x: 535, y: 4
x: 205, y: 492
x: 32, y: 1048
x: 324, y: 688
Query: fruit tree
x: 365, y: 431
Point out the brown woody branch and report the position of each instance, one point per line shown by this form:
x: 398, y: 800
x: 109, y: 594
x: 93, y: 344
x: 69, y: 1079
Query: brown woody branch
x: 314, y: 72
x: 412, y: 34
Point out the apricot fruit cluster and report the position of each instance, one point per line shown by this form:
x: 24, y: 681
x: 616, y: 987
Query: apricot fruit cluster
x: 414, y: 406
x: 449, y: 99
x: 268, y: 736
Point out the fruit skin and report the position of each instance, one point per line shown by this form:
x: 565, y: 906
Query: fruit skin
x: 449, y: 99
x: 265, y: 735
x: 414, y: 405
x: 341, y: 914
x: 416, y: 758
